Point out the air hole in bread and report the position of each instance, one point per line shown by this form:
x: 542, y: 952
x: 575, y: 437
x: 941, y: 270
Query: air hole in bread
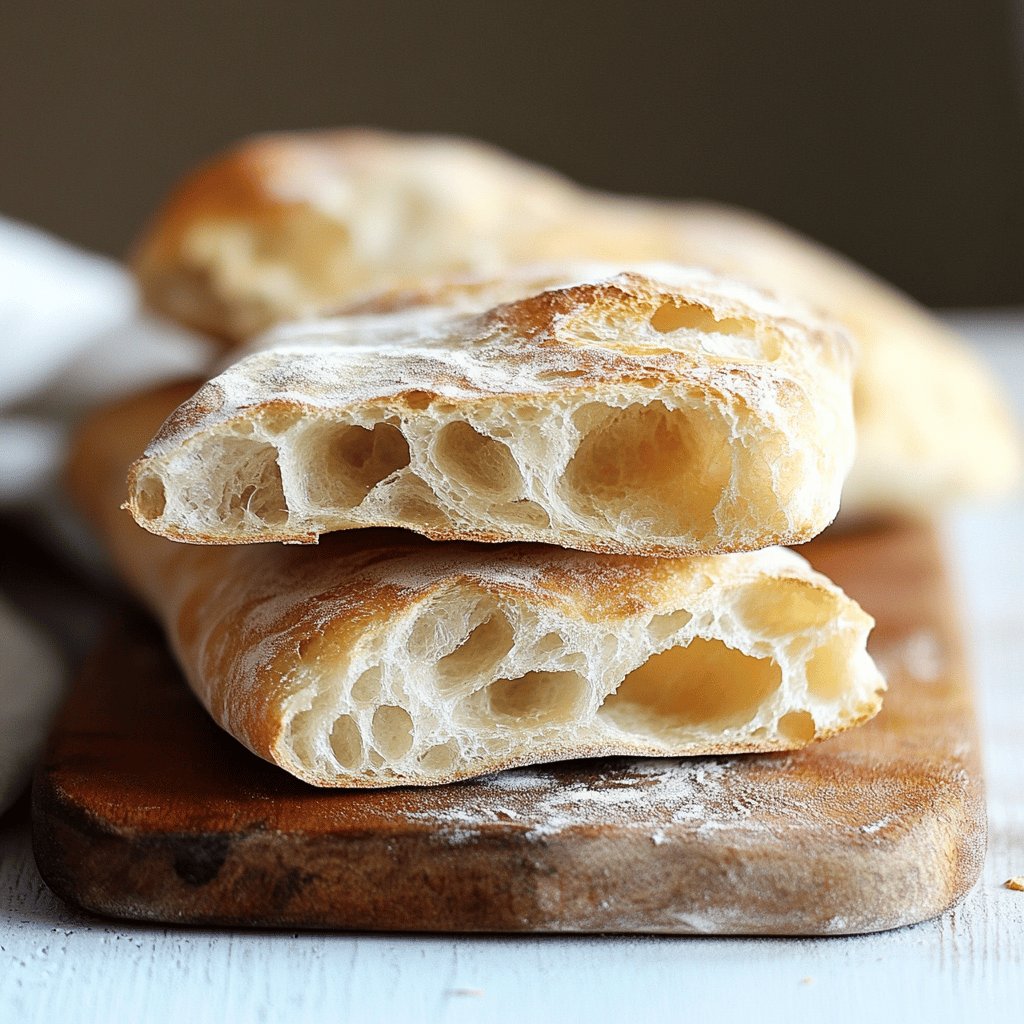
x: 537, y: 697
x: 549, y: 643
x: 797, y: 727
x: 663, y: 626
x: 828, y: 668
x: 560, y: 374
x: 527, y: 513
x: 301, y: 732
x: 152, y: 499
x: 368, y: 686
x: 273, y: 421
x: 702, y: 685
x: 670, y: 317
x: 423, y: 640
x: 252, y: 484
x: 665, y: 468
x: 392, y: 731
x: 478, y: 462
x: 347, y: 743
x: 415, y: 503
x: 782, y: 607
x: 439, y: 757
x: 347, y: 461
x: 479, y: 654
x: 417, y: 399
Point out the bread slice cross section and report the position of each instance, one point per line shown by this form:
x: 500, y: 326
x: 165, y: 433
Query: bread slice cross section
x: 656, y: 410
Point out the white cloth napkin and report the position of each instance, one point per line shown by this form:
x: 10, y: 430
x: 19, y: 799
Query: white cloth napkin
x: 72, y: 334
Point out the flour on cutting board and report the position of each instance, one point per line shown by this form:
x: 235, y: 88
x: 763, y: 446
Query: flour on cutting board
x: 663, y: 797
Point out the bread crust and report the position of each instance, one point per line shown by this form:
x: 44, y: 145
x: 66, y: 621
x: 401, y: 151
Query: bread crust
x: 282, y: 644
x: 658, y: 410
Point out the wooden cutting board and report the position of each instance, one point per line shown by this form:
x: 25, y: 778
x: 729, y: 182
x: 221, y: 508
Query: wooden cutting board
x: 143, y: 809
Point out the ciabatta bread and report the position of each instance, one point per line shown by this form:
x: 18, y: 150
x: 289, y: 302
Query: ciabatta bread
x: 287, y: 225
x: 656, y: 411
x: 382, y: 659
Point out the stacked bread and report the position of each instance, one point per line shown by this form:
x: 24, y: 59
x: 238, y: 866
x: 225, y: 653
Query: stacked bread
x: 287, y: 226
x: 548, y: 495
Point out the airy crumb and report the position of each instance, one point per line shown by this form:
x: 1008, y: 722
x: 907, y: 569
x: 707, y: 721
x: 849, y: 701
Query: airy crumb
x: 1016, y: 883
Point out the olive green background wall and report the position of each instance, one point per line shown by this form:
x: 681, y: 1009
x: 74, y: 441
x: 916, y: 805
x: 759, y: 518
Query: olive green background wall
x: 894, y: 131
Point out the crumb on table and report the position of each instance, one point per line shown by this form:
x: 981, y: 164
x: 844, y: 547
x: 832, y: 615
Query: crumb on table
x: 1015, y: 883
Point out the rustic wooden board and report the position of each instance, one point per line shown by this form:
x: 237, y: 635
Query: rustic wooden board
x: 143, y: 809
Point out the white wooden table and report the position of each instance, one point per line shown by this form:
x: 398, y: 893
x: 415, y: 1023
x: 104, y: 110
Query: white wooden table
x: 59, y: 965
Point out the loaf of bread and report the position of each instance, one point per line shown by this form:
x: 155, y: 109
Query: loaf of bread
x: 382, y: 659
x: 286, y: 225
x: 283, y: 225
x: 659, y: 411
